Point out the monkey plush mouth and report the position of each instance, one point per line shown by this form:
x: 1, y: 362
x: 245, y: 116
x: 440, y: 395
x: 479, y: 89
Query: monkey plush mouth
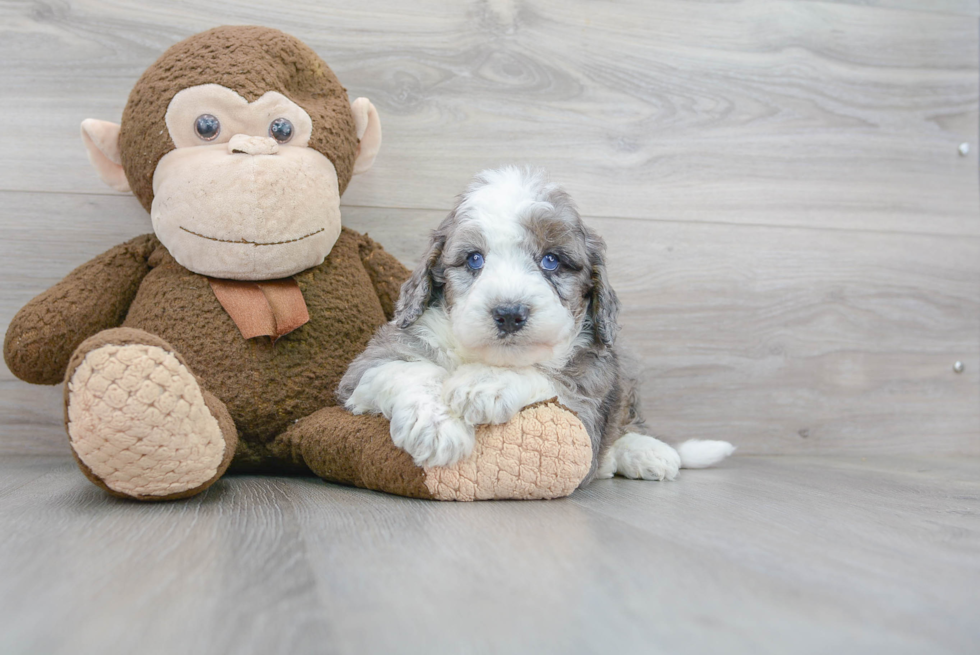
x: 247, y: 223
x: 253, y: 243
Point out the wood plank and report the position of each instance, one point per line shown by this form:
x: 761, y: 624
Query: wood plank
x: 958, y: 7
x: 31, y: 418
x: 22, y: 470
x: 796, y: 340
x: 764, y: 555
x: 171, y: 568
x: 782, y: 340
x: 757, y: 112
x: 805, y: 518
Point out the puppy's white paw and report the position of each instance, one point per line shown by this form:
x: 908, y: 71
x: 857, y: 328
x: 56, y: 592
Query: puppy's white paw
x: 638, y: 456
x: 485, y: 402
x: 425, y: 430
x: 486, y: 394
x: 479, y: 396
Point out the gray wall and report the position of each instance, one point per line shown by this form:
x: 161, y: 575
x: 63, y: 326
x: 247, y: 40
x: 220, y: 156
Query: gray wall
x: 792, y: 230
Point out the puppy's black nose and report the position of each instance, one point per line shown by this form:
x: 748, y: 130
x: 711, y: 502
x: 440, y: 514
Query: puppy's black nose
x: 510, y: 318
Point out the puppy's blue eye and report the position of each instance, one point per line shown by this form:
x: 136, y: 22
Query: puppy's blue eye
x: 475, y: 261
x: 549, y: 262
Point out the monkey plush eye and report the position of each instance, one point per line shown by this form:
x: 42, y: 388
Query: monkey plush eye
x: 207, y: 127
x: 474, y: 261
x: 281, y: 130
x: 549, y: 262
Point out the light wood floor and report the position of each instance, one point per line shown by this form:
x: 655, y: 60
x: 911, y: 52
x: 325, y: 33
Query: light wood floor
x: 764, y: 555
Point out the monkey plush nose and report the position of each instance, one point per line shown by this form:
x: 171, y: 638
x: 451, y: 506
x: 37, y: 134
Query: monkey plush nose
x: 510, y: 318
x: 252, y: 145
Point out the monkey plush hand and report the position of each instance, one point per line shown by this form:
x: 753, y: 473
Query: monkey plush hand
x: 219, y: 340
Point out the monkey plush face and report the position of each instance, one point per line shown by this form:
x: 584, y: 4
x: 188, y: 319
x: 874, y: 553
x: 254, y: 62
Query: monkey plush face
x: 243, y: 195
x: 240, y: 142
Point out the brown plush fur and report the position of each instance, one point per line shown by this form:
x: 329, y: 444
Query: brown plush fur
x: 357, y: 450
x: 250, y: 61
x: 266, y: 386
x: 94, y: 297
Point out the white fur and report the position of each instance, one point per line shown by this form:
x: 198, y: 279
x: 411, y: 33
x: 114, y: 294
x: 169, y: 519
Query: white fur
x: 509, y: 276
x: 491, y: 394
x: 638, y: 456
x: 436, y: 330
x: 409, y: 395
x: 433, y: 413
x: 702, y: 453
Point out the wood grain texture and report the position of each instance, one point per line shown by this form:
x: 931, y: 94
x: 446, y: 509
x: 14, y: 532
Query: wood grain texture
x: 791, y: 229
x: 781, y: 340
x: 764, y: 555
x: 958, y: 7
x: 755, y: 112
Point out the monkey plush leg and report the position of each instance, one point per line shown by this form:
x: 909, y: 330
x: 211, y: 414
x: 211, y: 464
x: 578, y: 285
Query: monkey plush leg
x: 543, y: 452
x: 138, y: 421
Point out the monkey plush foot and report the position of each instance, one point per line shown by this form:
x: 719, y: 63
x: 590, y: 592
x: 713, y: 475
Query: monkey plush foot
x: 139, y: 423
x: 543, y: 452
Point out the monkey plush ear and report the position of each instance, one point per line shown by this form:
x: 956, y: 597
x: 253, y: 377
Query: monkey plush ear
x: 368, y: 133
x: 101, y: 139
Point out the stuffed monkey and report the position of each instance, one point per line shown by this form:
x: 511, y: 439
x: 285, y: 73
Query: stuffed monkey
x: 217, y: 342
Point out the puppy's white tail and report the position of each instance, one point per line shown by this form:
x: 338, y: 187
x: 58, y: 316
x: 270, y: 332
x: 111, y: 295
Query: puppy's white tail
x: 702, y: 453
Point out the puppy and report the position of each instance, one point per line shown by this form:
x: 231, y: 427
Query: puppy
x: 511, y: 305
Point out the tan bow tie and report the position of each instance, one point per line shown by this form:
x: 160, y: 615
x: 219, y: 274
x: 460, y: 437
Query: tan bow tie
x: 270, y: 308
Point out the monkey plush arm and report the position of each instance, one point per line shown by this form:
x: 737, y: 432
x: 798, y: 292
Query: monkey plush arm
x: 93, y: 297
x: 387, y: 274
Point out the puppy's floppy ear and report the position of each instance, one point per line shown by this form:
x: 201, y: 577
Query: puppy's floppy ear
x: 603, y: 304
x: 416, y: 293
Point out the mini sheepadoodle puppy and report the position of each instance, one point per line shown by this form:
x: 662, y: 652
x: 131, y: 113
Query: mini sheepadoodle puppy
x: 510, y: 306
